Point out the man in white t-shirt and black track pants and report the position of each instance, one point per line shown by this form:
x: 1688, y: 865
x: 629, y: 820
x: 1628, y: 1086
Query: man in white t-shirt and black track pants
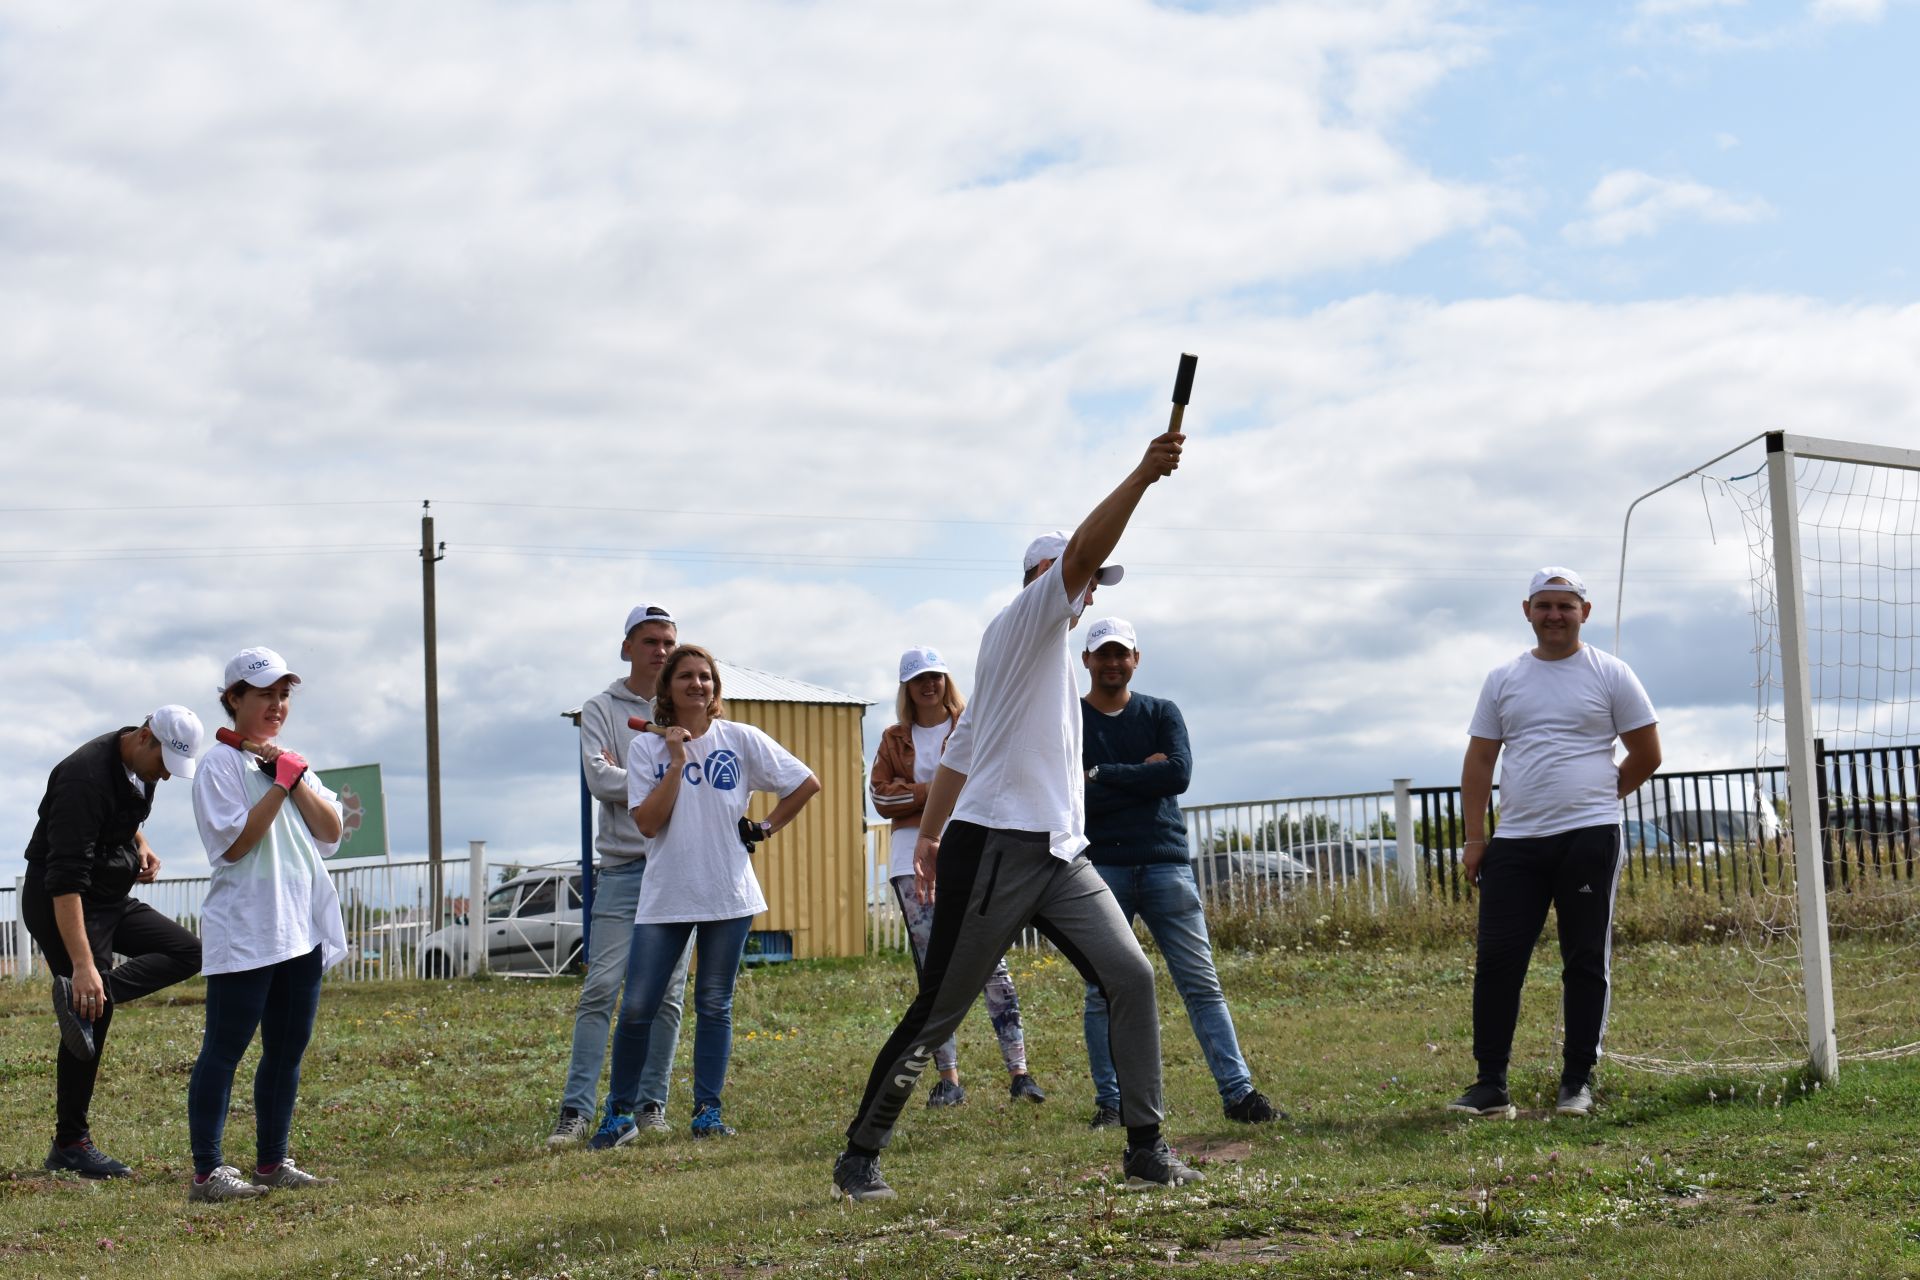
x: 604, y: 738
x: 1557, y: 709
x: 1014, y: 853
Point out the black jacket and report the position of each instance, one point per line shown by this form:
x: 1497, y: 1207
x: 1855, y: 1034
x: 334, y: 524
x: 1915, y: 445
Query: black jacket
x: 84, y: 842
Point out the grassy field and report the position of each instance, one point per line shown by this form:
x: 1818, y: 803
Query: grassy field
x: 431, y: 1101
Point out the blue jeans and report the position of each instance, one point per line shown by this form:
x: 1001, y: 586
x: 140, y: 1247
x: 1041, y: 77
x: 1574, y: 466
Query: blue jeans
x: 280, y: 1001
x: 1165, y: 895
x: 657, y: 950
x: 616, y: 895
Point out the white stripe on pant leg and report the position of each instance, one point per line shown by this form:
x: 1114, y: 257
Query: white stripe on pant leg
x: 1606, y: 953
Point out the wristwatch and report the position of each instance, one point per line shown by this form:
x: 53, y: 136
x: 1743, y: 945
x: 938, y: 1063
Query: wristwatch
x: 1093, y: 774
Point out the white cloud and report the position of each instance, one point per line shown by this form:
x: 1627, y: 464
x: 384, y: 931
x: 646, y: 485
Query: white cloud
x: 1627, y: 203
x: 1849, y: 10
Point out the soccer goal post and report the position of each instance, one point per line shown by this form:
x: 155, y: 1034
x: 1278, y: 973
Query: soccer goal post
x: 1784, y: 451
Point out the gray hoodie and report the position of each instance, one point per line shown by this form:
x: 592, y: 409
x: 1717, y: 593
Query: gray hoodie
x: 603, y: 726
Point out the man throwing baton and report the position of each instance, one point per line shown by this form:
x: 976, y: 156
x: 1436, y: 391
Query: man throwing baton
x: 86, y: 854
x: 1012, y: 854
x: 1556, y: 709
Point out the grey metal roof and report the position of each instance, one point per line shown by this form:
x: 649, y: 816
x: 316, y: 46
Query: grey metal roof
x: 750, y: 684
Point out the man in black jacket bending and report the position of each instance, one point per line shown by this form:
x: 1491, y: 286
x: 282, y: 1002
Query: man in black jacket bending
x: 1135, y: 752
x: 86, y: 854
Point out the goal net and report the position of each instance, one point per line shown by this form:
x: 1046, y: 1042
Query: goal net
x: 1823, y: 960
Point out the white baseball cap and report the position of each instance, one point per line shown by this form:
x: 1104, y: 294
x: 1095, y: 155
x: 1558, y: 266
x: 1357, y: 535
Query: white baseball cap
x: 917, y: 662
x: 1111, y: 631
x: 1544, y: 581
x: 645, y: 612
x: 1051, y: 546
x: 178, y: 732
x: 258, y: 667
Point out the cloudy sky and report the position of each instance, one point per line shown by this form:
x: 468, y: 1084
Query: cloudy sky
x: 802, y: 318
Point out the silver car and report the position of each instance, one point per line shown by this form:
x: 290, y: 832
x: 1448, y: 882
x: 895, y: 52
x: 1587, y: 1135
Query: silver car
x: 532, y: 927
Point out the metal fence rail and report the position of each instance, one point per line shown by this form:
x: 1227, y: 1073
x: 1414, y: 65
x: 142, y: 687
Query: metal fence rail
x: 1254, y: 854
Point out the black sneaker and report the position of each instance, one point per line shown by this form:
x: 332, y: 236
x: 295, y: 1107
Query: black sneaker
x: 76, y: 1032
x: 1105, y: 1118
x: 1156, y: 1166
x: 946, y: 1093
x: 1254, y: 1107
x: 858, y: 1178
x: 1023, y: 1087
x: 1574, y: 1100
x: 1485, y: 1099
x: 86, y: 1160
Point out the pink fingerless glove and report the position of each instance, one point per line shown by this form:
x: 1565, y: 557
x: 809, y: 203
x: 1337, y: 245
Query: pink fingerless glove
x: 287, y: 769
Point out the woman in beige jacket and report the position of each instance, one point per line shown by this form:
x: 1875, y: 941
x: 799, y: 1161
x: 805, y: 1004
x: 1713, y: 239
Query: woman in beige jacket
x: 926, y: 709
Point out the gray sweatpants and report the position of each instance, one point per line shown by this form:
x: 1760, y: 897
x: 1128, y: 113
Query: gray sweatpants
x: 991, y: 884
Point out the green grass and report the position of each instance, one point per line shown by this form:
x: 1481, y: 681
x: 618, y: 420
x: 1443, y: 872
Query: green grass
x: 431, y: 1102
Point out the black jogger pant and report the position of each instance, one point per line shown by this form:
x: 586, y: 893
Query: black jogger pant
x: 989, y: 885
x: 1576, y: 873
x: 159, y: 953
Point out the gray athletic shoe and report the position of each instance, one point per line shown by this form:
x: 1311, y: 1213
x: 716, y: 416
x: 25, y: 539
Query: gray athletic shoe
x: 1575, y: 1102
x: 652, y: 1118
x: 76, y: 1032
x: 289, y: 1178
x: 1149, y: 1168
x: 572, y: 1126
x: 224, y: 1183
x: 858, y: 1178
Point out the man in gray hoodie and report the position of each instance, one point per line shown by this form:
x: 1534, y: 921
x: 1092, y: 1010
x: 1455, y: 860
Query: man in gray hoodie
x: 604, y: 736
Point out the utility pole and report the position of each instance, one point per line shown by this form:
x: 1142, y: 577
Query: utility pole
x: 430, y: 555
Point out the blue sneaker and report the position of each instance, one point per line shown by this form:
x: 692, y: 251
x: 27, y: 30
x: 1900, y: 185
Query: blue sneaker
x: 708, y: 1124
x: 614, y: 1131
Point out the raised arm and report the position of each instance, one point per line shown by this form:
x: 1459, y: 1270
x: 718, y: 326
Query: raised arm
x: 1100, y: 532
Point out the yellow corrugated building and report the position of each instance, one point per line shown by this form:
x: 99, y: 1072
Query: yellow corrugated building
x: 814, y: 873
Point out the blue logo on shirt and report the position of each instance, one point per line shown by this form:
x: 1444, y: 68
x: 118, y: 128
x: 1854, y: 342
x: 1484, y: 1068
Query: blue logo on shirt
x: 723, y: 770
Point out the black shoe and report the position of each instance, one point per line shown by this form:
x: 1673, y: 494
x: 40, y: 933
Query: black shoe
x: 1485, y: 1099
x: 86, y: 1160
x: 76, y: 1032
x: 858, y: 1178
x: 1023, y: 1086
x: 1105, y: 1118
x: 1157, y: 1166
x: 1254, y: 1107
x: 946, y: 1093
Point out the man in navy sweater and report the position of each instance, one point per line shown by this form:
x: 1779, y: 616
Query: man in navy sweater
x: 1134, y: 749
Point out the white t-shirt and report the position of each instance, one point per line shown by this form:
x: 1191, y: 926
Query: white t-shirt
x: 928, y: 740
x: 697, y: 866
x: 1558, y: 721
x: 1018, y: 741
x: 276, y: 902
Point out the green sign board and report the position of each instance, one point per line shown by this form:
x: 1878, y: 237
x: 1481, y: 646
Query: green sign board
x: 364, y: 806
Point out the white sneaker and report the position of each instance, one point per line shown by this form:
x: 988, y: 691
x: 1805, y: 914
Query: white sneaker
x: 652, y: 1118
x: 572, y: 1126
x: 224, y: 1183
x: 289, y: 1178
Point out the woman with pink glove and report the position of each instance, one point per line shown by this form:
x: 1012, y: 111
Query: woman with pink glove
x: 271, y: 925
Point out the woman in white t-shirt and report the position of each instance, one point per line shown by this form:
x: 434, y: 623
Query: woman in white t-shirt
x: 926, y: 709
x: 270, y: 926
x: 688, y: 787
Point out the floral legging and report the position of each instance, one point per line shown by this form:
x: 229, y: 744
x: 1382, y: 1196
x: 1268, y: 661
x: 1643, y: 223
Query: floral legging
x: 1003, y: 1004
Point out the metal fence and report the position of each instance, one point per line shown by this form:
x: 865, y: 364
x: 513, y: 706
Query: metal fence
x: 1254, y: 854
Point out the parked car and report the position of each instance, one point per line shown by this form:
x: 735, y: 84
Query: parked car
x: 1384, y: 855
x: 1646, y: 837
x: 1252, y: 870
x: 533, y: 927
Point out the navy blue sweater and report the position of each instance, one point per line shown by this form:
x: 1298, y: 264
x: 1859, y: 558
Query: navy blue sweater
x: 1133, y: 810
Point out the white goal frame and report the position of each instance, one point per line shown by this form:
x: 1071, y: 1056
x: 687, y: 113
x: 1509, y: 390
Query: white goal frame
x: 1790, y: 606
